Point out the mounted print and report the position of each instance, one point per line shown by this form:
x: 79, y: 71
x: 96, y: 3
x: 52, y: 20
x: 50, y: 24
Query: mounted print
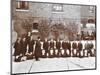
x: 52, y: 37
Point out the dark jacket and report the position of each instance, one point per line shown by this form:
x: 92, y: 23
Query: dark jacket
x: 64, y: 45
x: 80, y: 46
x: 74, y: 45
x: 58, y: 45
x: 51, y: 44
x: 45, y: 45
x: 24, y: 46
x: 17, y: 47
x: 87, y: 46
x: 31, y: 44
x: 69, y: 45
x: 38, y: 49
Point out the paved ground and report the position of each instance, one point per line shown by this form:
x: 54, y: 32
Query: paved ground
x: 53, y: 64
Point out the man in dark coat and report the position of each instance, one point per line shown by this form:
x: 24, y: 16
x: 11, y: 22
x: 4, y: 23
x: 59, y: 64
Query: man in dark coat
x: 74, y: 49
x: 17, y: 47
x: 24, y: 46
x: 68, y: 46
x: 74, y: 45
x: 58, y: 46
x: 31, y: 46
x: 52, y: 44
x: 90, y: 49
x: 64, y: 46
x: 85, y: 51
x: 45, y: 47
x: 51, y: 49
x: 90, y: 46
x: 38, y: 49
x: 80, y: 47
x: 28, y: 37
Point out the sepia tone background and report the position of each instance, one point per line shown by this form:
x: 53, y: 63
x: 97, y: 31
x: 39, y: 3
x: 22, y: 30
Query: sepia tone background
x: 50, y: 20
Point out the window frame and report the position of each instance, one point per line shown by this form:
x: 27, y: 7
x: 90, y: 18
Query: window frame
x: 57, y: 8
x: 20, y: 7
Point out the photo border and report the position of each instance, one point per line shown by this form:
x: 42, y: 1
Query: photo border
x: 52, y: 71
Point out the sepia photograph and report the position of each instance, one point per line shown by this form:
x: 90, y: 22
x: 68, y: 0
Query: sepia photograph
x: 52, y: 37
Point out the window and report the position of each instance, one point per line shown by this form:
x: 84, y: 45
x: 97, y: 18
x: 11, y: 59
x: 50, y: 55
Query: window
x: 92, y: 9
x: 57, y: 8
x: 23, y: 5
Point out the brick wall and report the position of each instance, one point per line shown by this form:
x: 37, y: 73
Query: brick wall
x: 39, y: 11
